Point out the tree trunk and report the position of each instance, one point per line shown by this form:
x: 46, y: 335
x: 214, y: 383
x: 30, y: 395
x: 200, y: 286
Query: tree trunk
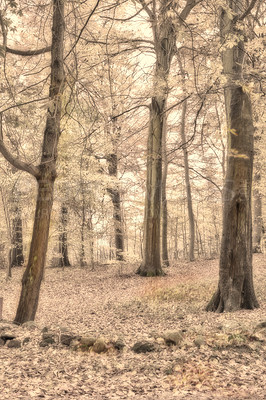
x: 117, y: 209
x: 164, y: 200
x: 82, y: 257
x: 33, y: 274
x: 257, y: 216
x: 235, y: 287
x: 188, y: 186
x: 63, y: 243
x: 16, y: 251
x: 164, y: 38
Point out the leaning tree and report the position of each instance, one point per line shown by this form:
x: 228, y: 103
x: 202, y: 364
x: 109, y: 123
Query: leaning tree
x: 45, y: 172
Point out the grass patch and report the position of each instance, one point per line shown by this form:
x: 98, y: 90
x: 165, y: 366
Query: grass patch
x: 161, y: 291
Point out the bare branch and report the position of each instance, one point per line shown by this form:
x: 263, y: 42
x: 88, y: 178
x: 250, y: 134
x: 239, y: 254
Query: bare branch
x: 188, y: 7
x: 248, y: 10
x: 82, y: 29
x: 19, y: 164
x: 147, y: 9
x: 28, y: 53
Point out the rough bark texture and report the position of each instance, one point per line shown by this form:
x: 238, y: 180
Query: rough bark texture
x: 235, y: 287
x: 164, y: 38
x: 32, y: 277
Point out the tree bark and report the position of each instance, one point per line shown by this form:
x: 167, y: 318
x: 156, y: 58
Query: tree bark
x: 188, y: 186
x: 33, y: 275
x: 235, y: 287
x: 257, y: 215
x: 164, y: 38
x: 117, y: 209
x: 164, y: 200
x: 63, y: 242
x: 16, y: 251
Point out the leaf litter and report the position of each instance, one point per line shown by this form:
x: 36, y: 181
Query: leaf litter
x: 221, y: 356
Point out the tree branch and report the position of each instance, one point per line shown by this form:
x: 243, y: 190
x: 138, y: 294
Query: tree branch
x: 147, y: 9
x: 82, y: 29
x: 19, y: 164
x: 188, y: 7
x: 28, y: 53
x: 23, y: 166
x: 248, y: 10
x: 25, y: 53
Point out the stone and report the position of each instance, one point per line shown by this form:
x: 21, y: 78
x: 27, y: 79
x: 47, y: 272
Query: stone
x: 49, y: 337
x: 7, y: 336
x: 199, y: 341
x: 26, y: 340
x: 43, y: 343
x: 87, y: 341
x: 143, y: 347
x: 30, y: 325
x: 173, y: 338
x: 99, y: 346
x: 118, y: 344
x: 14, y: 344
x: 66, y: 339
x: 2, y: 342
x: 261, y: 325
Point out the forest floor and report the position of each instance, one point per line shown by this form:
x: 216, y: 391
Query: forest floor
x: 221, y: 356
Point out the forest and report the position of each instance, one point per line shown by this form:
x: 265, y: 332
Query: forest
x: 132, y: 181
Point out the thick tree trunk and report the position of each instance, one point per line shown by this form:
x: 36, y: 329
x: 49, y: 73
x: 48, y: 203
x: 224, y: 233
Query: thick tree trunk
x: 151, y: 265
x: 235, y: 287
x: 33, y: 274
x: 164, y: 38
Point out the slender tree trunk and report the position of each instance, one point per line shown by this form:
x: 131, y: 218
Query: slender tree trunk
x: 33, y: 275
x: 117, y: 209
x: 63, y: 242
x: 83, y: 262
x: 257, y: 216
x: 235, y: 287
x: 164, y: 200
x: 188, y: 186
x: 16, y: 253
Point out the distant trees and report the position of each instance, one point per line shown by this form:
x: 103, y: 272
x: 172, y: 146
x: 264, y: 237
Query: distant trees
x: 121, y: 84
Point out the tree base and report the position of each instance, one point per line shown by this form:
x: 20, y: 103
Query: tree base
x: 149, y: 273
x: 219, y: 304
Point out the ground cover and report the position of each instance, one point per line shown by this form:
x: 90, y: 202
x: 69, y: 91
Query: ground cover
x: 219, y: 356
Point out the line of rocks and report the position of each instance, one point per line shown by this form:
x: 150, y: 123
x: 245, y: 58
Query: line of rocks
x: 13, y: 336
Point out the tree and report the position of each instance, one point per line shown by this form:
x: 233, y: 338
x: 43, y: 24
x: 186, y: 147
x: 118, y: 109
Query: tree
x: 235, y: 287
x: 164, y: 37
x: 186, y: 168
x: 45, y: 174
